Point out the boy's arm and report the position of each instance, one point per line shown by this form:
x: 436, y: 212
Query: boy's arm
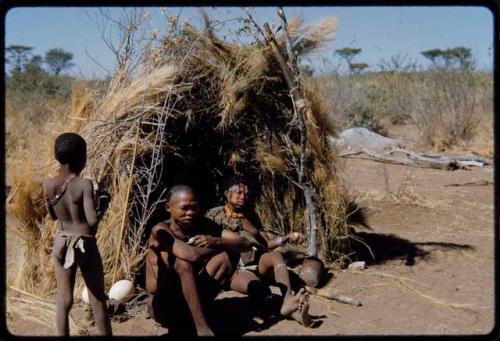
x: 47, y: 205
x: 89, y: 205
x: 179, y: 248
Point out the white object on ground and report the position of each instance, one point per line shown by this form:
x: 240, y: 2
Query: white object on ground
x: 122, y: 290
x: 85, y: 295
x: 361, y: 138
x: 357, y: 265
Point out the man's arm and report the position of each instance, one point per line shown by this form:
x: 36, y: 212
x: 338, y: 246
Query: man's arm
x: 179, y: 248
x: 229, y: 240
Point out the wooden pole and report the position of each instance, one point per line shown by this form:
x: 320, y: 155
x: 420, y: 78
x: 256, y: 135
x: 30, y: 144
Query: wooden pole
x: 124, y: 215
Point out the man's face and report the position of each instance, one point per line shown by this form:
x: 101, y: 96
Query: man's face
x: 237, y: 196
x: 183, y: 208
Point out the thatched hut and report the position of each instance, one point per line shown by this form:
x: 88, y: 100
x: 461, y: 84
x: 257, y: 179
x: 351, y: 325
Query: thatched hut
x: 200, y: 110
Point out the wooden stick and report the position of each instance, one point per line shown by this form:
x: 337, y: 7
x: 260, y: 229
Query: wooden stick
x: 326, y: 293
x: 124, y: 216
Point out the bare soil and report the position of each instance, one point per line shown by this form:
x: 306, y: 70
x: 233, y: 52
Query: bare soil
x: 430, y: 269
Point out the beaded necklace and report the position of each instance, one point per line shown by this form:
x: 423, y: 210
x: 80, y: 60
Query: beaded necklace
x: 233, y: 214
x: 61, y: 190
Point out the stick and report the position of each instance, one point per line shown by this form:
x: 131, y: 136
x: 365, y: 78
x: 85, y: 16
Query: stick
x: 124, y: 216
x: 336, y: 297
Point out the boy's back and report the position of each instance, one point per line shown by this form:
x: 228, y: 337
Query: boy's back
x: 75, y: 208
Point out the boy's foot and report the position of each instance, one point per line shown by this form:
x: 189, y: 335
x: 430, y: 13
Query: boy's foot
x: 301, y: 315
x: 291, y: 302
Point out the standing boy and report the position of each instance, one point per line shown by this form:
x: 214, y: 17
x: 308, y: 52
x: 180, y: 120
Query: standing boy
x: 70, y: 199
x: 186, y: 264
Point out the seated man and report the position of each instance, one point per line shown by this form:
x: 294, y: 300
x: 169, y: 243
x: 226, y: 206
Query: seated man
x: 186, y: 264
x: 236, y: 216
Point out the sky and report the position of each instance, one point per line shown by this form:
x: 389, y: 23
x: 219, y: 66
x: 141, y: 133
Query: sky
x: 381, y: 32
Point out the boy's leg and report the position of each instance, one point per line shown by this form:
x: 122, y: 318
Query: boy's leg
x: 190, y: 291
x: 91, y: 267
x: 273, y: 261
x: 65, y: 282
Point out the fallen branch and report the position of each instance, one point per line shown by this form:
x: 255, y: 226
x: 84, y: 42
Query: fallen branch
x: 416, y: 160
x: 473, y: 183
x: 326, y: 293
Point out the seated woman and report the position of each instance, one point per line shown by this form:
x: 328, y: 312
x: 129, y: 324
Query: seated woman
x: 236, y: 216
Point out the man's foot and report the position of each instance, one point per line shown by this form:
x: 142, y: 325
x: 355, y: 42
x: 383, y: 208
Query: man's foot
x: 291, y: 302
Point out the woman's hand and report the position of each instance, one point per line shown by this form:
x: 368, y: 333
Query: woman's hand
x: 295, y: 237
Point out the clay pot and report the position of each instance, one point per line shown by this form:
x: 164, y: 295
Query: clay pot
x: 312, y: 271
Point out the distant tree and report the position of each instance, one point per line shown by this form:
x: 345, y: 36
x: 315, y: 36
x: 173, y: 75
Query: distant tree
x: 57, y: 60
x: 306, y: 70
x: 448, y: 58
x: 357, y: 67
x: 348, y: 53
x: 35, y: 63
x: 18, y: 55
x: 462, y: 55
x: 432, y: 55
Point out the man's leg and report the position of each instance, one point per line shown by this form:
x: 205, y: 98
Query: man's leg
x: 190, y: 291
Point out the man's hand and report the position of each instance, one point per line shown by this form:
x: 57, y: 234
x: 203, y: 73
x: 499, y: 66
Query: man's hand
x: 202, y: 241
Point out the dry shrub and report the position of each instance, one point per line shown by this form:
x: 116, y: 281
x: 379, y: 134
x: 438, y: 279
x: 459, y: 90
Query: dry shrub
x: 449, y: 107
x: 201, y: 110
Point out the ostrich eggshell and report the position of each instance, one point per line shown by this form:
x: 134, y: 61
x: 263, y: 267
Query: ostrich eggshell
x: 121, y: 290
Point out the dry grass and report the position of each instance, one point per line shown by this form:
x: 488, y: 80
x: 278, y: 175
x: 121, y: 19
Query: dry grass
x: 212, y: 106
x: 449, y: 108
x: 27, y: 306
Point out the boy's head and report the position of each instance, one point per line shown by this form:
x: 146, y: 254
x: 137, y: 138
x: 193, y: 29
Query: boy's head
x: 71, y: 149
x: 182, y: 205
x: 237, y: 192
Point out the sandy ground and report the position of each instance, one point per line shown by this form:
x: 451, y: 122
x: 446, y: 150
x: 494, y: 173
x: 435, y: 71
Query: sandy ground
x: 432, y: 273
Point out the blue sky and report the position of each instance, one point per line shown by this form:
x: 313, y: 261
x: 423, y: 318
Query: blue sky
x: 381, y: 32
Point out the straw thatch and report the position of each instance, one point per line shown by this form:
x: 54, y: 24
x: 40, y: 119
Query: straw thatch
x: 202, y: 109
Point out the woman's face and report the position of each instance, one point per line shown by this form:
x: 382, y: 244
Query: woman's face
x: 237, y: 196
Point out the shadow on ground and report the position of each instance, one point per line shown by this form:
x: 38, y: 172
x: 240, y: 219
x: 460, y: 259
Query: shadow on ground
x: 237, y: 316
x: 377, y: 248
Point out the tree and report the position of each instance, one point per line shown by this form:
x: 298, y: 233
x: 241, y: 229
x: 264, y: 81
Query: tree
x: 432, y: 55
x: 460, y: 56
x: 57, y: 60
x: 348, y: 53
x: 18, y: 55
x: 357, y: 67
x: 306, y: 70
x: 35, y: 63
